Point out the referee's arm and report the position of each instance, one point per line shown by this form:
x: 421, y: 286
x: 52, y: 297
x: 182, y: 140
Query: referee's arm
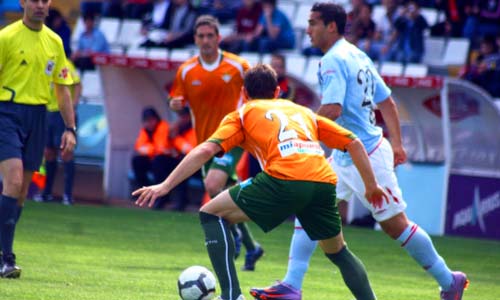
x: 65, y: 104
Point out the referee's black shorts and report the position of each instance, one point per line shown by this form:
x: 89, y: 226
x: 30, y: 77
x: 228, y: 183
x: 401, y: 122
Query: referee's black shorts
x: 23, y: 133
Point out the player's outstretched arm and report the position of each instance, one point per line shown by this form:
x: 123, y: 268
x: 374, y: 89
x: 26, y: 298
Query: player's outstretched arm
x: 374, y: 193
x: 187, y: 167
x: 63, y: 95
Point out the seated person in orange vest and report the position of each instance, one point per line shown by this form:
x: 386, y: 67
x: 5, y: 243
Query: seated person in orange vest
x: 153, y: 150
x: 182, y: 135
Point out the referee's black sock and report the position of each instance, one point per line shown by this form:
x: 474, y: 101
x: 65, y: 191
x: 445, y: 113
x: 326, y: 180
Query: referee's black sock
x: 354, y: 274
x: 69, y: 176
x: 220, y: 247
x: 8, y: 216
x: 19, y: 212
x: 50, y: 176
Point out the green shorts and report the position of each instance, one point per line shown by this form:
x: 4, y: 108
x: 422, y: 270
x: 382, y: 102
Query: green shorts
x: 269, y: 201
x: 226, y: 163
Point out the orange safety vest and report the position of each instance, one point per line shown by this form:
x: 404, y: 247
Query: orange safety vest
x: 156, y: 144
x: 185, y: 142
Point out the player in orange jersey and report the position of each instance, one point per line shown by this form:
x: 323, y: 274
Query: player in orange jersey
x: 296, y: 180
x: 210, y: 83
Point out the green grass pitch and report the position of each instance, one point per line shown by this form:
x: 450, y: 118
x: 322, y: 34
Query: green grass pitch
x: 94, y: 253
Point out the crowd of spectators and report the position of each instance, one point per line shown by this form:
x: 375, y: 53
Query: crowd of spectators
x: 484, y: 69
x: 169, y: 24
x: 260, y: 25
x: 91, y: 41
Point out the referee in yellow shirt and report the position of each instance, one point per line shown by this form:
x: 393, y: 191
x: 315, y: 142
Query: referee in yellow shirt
x: 31, y: 59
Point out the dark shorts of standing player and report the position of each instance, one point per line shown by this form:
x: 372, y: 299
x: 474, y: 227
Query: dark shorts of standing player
x: 226, y: 163
x: 22, y: 133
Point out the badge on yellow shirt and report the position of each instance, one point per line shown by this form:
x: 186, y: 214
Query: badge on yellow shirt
x: 64, y: 73
x: 50, y: 67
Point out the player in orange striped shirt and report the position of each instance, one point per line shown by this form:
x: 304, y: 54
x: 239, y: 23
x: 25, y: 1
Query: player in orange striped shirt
x: 296, y: 180
x: 210, y: 83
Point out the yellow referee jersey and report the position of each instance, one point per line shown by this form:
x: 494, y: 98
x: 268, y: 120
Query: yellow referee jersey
x: 29, y: 62
x: 53, y: 106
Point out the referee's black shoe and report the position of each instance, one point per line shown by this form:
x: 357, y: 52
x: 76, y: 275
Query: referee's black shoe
x: 9, y: 268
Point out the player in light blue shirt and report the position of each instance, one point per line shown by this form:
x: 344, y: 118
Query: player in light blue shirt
x: 351, y: 89
x: 348, y: 78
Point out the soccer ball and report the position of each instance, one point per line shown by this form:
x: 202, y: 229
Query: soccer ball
x: 196, y: 283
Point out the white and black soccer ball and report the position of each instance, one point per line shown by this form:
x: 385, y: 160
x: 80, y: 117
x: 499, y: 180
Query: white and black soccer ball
x: 196, y: 283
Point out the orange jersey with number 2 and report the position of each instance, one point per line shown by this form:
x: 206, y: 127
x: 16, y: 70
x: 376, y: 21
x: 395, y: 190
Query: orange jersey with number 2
x: 284, y: 137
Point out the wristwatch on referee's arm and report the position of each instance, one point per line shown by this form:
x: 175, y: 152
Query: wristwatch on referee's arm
x: 72, y: 130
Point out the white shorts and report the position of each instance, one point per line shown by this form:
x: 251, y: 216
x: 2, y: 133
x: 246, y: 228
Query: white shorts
x: 350, y: 182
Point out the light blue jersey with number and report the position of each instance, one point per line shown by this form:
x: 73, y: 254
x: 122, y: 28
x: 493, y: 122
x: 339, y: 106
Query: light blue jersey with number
x: 347, y: 77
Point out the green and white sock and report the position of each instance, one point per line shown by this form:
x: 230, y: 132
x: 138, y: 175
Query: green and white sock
x: 354, y: 274
x: 220, y: 247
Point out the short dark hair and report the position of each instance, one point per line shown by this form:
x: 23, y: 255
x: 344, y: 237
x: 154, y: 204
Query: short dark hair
x: 261, y: 82
x: 149, y: 112
x: 90, y: 16
x: 207, y: 20
x: 331, y: 12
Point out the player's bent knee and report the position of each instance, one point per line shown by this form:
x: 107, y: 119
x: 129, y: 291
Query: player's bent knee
x: 213, y: 187
x: 332, y: 245
x: 395, y: 226
x: 13, y: 186
x: 215, y: 182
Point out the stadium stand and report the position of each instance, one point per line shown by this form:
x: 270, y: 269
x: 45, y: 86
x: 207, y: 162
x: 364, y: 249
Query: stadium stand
x: 266, y: 58
x: 391, y: 69
x: 117, y: 50
x: 226, y: 29
x: 296, y: 65
x: 180, y: 54
x: 130, y: 33
x: 415, y: 70
x: 77, y: 31
x: 158, y: 53
x: 92, y: 88
x: 430, y: 15
x: 253, y: 58
x: 302, y: 16
x: 434, y: 49
x: 110, y: 27
x: 456, y: 52
x: 378, y: 12
x: 137, y: 52
x: 310, y: 76
x: 288, y: 8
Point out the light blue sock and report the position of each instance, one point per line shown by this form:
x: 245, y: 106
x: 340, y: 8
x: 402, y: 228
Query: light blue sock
x: 301, y: 250
x: 419, y: 245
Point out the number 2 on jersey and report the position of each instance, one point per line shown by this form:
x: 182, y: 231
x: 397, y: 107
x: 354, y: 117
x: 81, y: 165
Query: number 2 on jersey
x: 365, y: 79
x: 367, y: 82
x: 287, y: 134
